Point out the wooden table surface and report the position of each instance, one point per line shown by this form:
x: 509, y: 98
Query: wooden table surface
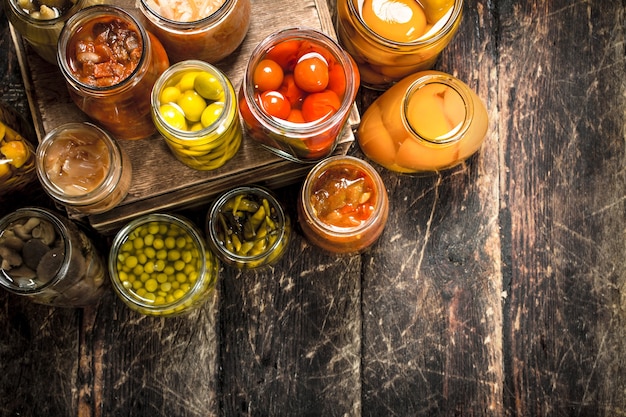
x: 496, y: 289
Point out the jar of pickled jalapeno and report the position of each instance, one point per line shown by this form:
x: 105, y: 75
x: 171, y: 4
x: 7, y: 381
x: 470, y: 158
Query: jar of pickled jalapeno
x: 194, y: 107
x: 298, y: 90
x: 159, y: 265
x: 247, y: 227
x: 204, y: 30
x: 110, y: 64
x: 391, y: 40
x: 427, y: 122
x: 17, y: 152
x: 343, y: 205
x: 39, y: 22
x: 48, y: 259
x: 80, y: 166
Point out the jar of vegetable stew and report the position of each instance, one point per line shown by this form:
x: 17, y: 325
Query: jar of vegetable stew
x: 17, y: 152
x: 49, y: 260
x: 247, y: 227
x: 298, y: 90
x: 194, y: 107
x: 80, y: 166
x: 159, y: 265
x: 110, y: 64
x: 392, y: 42
x: 204, y: 30
x: 40, y: 22
x: 429, y: 121
x: 343, y: 205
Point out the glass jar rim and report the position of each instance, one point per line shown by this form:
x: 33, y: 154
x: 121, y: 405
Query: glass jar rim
x: 43, y: 22
x: 191, y: 25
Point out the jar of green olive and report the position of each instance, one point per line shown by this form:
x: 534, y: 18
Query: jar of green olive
x: 194, y: 107
x: 247, y: 227
x: 159, y: 265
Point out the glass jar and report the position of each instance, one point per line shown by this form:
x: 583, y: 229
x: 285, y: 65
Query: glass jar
x: 343, y: 205
x: 48, y: 259
x: 388, y: 51
x: 429, y: 121
x: 159, y: 265
x: 112, y: 89
x: 194, y: 107
x: 297, y: 94
x: 209, y: 35
x: 80, y: 166
x: 247, y: 227
x: 17, y: 152
x: 40, y: 23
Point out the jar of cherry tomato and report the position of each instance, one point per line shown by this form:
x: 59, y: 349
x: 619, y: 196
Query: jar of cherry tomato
x: 297, y: 93
x: 389, y: 49
x: 204, y: 30
x: 82, y: 167
x: 110, y: 64
x: 343, y: 205
x: 429, y: 121
x: 40, y: 22
x: 194, y: 107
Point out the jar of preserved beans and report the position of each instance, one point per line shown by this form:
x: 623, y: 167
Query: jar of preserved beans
x: 343, y: 205
x: 194, y: 107
x: 429, y: 121
x: 298, y: 90
x: 80, y: 166
x: 159, y: 265
x: 391, y: 41
x: 247, y: 227
x: 17, y: 152
x: 204, y: 30
x: 40, y: 22
x: 48, y: 259
x: 110, y: 64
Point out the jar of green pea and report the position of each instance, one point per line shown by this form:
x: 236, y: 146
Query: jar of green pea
x: 194, y: 107
x: 159, y: 265
x: 247, y: 227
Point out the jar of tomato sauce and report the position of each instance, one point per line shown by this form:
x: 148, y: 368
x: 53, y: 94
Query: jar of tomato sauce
x: 429, y: 121
x: 110, y: 64
x: 194, y: 107
x: 391, y: 41
x: 297, y: 93
x: 40, y: 23
x: 204, y: 30
x: 82, y: 167
x: 343, y: 205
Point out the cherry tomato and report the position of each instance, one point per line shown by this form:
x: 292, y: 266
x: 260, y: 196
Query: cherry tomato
x: 268, y: 75
x: 295, y: 116
x: 321, y: 105
x: 285, y: 54
x: 275, y: 104
x: 311, y: 74
x: 290, y: 90
x: 337, y: 79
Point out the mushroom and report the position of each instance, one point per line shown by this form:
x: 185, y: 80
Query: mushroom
x: 9, y: 240
x: 44, y: 231
x: 10, y: 258
x: 23, y: 231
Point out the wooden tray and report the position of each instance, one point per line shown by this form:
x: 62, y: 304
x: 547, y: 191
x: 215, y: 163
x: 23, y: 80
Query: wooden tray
x: 160, y: 182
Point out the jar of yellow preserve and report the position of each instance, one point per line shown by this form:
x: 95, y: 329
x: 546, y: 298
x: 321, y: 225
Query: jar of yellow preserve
x: 390, y: 40
x: 429, y: 121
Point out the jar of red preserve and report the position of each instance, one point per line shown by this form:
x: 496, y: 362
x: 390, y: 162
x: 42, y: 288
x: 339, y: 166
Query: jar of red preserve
x: 343, y: 205
x: 203, y: 30
x: 297, y: 93
x: 110, y: 64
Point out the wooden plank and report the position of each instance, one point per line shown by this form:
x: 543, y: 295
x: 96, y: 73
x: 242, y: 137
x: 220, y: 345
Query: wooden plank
x: 160, y: 182
x: 432, y: 318
x: 561, y: 77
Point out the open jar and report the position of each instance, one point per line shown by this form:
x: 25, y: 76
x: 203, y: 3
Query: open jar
x: 343, y: 205
x: 427, y: 122
x: 112, y: 89
x: 205, y: 30
x: 80, y: 166
x: 49, y: 260
x: 389, y: 49
x: 247, y: 227
x: 297, y: 94
x: 194, y: 107
x: 159, y: 265
x: 17, y: 152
